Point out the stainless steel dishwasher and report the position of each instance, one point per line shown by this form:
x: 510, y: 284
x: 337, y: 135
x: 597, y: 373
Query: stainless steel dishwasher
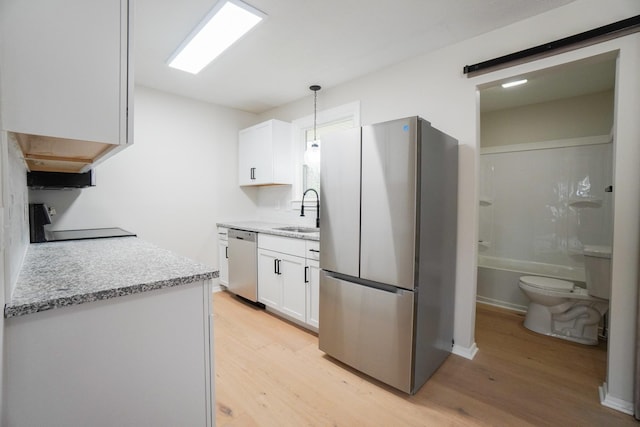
x: 243, y: 264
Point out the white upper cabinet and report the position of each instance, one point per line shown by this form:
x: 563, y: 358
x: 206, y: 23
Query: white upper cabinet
x: 265, y: 154
x: 66, y: 80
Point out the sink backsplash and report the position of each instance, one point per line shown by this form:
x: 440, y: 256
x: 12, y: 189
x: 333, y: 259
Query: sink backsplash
x: 275, y: 205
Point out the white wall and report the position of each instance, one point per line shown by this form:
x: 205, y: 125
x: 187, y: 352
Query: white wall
x: 575, y: 117
x: 16, y: 214
x: 172, y: 185
x: 434, y: 87
x: 14, y: 228
x: 2, y: 263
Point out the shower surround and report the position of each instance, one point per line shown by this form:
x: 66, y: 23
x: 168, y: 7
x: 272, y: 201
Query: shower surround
x: 540, y: 204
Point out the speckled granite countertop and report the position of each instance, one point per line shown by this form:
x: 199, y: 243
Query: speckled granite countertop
x: 59, y: 274
x: 270, y: 228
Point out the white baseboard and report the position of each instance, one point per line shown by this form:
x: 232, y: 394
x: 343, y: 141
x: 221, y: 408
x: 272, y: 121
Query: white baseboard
x: 613, y: 402
x: 466, y: 352
x: 217, y: 288
x: 282, y: 315
x: 501, y: 304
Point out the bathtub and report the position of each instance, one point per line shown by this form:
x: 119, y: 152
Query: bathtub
x: 498, y: 279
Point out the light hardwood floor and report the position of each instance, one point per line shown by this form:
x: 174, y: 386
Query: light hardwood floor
x: 271, y: 373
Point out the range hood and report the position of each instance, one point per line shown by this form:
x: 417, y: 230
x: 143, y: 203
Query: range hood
x: 38, y: 180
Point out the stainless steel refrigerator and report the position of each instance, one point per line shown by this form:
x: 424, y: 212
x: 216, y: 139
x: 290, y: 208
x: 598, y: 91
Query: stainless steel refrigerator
x: 388, y: 249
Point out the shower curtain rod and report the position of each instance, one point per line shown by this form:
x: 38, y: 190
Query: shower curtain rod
x: 597, y: 35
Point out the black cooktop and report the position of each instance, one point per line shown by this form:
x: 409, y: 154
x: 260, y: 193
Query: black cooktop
x: 88, y: 233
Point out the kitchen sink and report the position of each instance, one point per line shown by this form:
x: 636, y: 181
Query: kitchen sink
x: 299, y: 229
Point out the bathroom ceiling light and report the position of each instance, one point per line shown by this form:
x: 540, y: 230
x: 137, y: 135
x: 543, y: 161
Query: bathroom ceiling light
x: 226, y: 23
x: 514, y: 83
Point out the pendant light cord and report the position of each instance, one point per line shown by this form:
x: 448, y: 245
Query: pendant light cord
x: 315, y: 89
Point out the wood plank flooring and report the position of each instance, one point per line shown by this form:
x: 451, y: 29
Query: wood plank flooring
x: 270, y: 373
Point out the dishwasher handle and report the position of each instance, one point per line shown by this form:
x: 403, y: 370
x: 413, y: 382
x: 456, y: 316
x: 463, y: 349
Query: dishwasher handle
x: 248, y: 236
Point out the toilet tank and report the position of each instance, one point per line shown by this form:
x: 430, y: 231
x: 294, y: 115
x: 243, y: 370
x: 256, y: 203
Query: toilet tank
x: 597, y: 266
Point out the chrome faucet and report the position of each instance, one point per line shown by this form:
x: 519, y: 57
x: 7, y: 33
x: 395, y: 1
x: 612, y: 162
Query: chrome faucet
x: 317, y: 206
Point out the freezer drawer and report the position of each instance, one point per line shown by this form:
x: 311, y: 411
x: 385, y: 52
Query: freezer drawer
x: 369, y: 329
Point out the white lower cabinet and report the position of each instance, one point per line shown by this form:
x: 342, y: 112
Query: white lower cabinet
x: 313, y: 293
x: 269, y: 282
x: 288, y: 280
x: 294, y: 292
x: 136, y: 360
x: 223, y: 256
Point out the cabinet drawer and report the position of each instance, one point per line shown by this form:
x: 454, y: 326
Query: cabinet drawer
x: 223, y: 233
x: 313, y: 250
x: 284, y: 245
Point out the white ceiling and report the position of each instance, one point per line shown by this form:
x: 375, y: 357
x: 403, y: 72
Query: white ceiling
x: 304, y: 42
x: 592, y: 75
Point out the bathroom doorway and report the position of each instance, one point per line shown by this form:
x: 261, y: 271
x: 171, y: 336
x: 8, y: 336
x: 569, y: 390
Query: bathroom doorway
x: 545, y: 177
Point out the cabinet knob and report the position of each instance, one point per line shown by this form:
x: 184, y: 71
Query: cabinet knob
x: 306, y: 278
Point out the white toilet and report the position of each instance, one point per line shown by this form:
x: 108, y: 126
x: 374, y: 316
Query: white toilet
x: 561, y: 309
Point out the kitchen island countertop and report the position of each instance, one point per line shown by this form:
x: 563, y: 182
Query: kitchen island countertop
x: 59, y: 274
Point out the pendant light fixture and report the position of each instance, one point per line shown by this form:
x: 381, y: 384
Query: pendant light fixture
x: 312, y: 152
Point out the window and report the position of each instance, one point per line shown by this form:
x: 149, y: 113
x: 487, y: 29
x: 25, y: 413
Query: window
x: 311, y: 156
x: 308, y: 161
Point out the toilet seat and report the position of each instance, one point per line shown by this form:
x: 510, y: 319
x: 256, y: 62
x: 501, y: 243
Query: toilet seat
x: 548, y: 283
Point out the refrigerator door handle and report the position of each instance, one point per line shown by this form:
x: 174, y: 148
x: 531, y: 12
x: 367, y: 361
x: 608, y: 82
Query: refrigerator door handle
x: 366, y: 283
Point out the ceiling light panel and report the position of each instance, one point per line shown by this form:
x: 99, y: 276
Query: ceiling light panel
x: 225, y: 24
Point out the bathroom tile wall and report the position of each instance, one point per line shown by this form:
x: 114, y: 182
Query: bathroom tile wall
x: 544, y: 205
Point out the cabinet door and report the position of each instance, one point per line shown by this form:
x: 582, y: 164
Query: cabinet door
x: 255, y: 162
x: 269, y: 281
x: 294, y: 289
x: 313, y: 293
x: 65, y: 69
x: 223, y: 258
